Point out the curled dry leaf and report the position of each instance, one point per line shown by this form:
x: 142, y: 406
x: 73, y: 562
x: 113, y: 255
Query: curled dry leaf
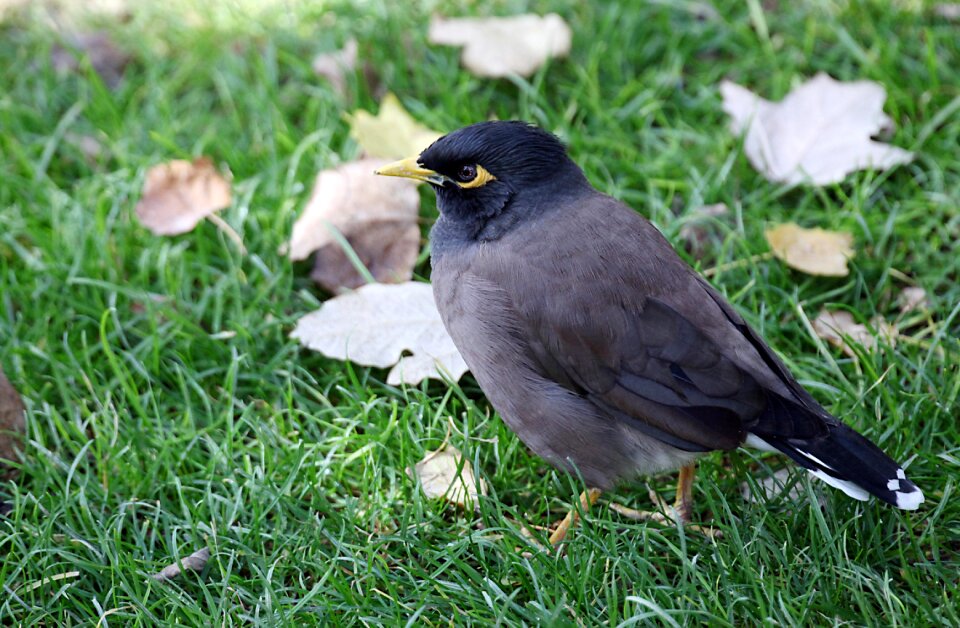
x: 334, y: 66
x: 696, y: 233
x: 818, y: 134
x: 12, y: 424
x: 392, y: 133
x: 912, y: 298
x: 194, y: 562
x: 813, y: 251
x: 375, y: 325
x: 179, y: 194
x: 496, y: 47
x: 446, y: 474
x: 837, y: 327
x: 106, y: 58
x: 377, y: 216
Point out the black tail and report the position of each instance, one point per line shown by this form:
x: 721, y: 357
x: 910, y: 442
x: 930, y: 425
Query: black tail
x: 846, y: 460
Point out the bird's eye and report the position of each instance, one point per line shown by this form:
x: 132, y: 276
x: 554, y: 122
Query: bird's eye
x: 469, y: 176
x: 466, y: 173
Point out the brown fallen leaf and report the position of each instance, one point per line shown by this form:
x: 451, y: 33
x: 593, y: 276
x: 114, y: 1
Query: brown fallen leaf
x: 818, y: 134
x: 106, y: 58
x: 377, y: 216
x: 179, y: 194
x: 496, y: 47
x: 446, y: 474
x: 377, y: 324
x: 813, y: 251
x: 12, y: 425
x: 388, y: 249
x: 697, y: 232
x: 392, y: 133
x: 912, y: 298
x: 334, y: 66
x: 839, y: 327
x: 194, y: 562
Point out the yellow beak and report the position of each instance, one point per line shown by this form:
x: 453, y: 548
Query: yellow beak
x: 411, y: 169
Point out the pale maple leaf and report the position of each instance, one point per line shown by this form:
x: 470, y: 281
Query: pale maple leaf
x: 376, y: 324
x: 818, y: 134
x: 495, y: 47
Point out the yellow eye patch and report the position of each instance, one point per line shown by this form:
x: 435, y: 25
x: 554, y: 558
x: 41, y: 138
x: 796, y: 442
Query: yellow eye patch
x: 483, y: 177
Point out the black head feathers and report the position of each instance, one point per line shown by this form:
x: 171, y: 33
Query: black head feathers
x: 516, y: 153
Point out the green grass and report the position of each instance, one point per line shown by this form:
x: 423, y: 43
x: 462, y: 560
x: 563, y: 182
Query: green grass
x: 152, y: 435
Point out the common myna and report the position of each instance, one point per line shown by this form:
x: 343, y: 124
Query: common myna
x: 597, y: 344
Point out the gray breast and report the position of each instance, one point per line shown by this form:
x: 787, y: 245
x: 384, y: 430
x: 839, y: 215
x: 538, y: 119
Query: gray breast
x: 555, y: 423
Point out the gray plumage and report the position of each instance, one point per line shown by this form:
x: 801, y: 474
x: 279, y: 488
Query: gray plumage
x: 597, y: 344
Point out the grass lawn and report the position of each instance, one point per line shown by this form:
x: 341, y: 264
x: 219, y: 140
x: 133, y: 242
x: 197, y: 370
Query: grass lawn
x: 168, y: 410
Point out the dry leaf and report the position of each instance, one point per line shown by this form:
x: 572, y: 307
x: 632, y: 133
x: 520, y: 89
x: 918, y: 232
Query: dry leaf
x: 771, y: 487
x: 813, y: 251
x: 194, y: 562
x: 377, y: 216
x: 839, y: 327
x: 104, y: 55
x: 912, y: 298
x: 818, y: 134
x: 388, y: 249
x: 774, y: 487
x: 947, y: 10
x: 696, y: 231
x: 179, y: 194
x: 496, y: 47
x: 446, y: 474
x: 12, y: 424
x: 392, y: 133
x: 334, y: 66
x: 88, y: 145
x: 375, y: 325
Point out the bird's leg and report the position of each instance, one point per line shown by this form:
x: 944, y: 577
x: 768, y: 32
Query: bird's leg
x: 682, y: 507
x: 683, y: 504
x: 681, y: 510
x: 587, y: 498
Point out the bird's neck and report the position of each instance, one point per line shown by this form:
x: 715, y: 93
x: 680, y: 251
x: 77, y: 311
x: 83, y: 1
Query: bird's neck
x: 454, y: 232
x: 490, y: 220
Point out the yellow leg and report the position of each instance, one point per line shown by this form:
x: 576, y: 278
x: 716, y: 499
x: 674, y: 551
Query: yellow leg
x: 587, y: 498
x: 680, y: 512
x: 683, y: 505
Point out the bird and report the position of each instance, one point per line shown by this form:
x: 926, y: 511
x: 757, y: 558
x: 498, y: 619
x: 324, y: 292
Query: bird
x: 596, y: 343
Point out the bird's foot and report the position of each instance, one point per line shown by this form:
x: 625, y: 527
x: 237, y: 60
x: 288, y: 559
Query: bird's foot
x: 667, y: 515
x: 587, y: 498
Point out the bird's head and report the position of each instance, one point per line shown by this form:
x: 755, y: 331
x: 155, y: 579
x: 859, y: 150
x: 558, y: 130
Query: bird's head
x: 479, y: 171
